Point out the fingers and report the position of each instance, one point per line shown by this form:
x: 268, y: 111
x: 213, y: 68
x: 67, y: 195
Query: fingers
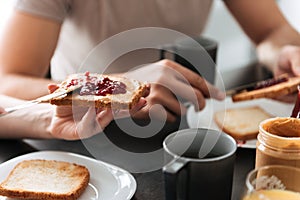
x: 94, y: 122
x: 126, y: 113
x: 170, y: 82
x: 90, y: 120
x: 173, y: 106
x: 156, y: 111
x: 2, y: 110
x: 191, y: 78
x: 293, y: 58
x: 189, y: 93
x: 104, y: 117
x: 142, y: 102
x: 162, y: 104
x: 288, y: 61
x: 166, y: 98
x: 296, y: 66
x: 147, y: 92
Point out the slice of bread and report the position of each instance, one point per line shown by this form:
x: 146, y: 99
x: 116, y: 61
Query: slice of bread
x: 134, y: 90
x: 241, y: 123
x: 45, y: 179
x: 273, y: 91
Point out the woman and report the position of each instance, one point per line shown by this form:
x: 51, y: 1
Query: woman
x: 62, y: 33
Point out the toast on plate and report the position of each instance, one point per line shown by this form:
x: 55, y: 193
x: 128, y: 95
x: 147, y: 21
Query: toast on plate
x: 101, y: 91
x: 241, y: 123
x: 269, y: 89
x: 45, y: 179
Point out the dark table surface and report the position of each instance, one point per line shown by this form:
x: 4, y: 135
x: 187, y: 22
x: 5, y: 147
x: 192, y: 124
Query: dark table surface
x: 150, y: 185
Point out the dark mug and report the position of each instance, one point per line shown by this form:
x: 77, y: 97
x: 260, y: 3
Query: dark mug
x: 200, y: 164
x: 198, y: 54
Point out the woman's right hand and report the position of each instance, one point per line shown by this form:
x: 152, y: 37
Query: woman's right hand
x: 171, y: 81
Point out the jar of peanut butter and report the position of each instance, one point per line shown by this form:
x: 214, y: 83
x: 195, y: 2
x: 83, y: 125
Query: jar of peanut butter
x: 278, y: 142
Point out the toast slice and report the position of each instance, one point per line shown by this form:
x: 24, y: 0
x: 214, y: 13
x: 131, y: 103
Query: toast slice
x: 241, y: 123
x: 283, y: 88
x: 45, y: 179
x: 101, y: 91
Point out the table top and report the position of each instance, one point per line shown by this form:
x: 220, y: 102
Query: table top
x: 150, y: 185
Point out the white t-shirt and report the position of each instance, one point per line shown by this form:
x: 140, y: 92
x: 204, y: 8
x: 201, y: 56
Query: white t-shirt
x: 87, y: 23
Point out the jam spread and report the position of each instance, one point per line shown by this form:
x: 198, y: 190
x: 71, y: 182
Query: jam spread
x: 270, y: 82
x: 296, y: 110
x: 92, y: 85
x: 263, y: 84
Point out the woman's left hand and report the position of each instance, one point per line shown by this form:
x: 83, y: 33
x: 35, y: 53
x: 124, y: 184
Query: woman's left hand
x: 71, y: 123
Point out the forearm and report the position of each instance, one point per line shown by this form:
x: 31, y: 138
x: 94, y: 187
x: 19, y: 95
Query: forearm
x: 27, y: 44
x: 23, y: 87
x: 269, y: 48
x: 33, y: 122
x: 267, y: 27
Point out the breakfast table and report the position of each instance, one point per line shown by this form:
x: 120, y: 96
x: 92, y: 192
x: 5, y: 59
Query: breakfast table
x: 150, y: 185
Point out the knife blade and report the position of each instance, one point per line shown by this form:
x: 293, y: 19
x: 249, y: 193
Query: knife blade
x: 241, y: 88
x: 257, y: 85
x: 42, y: 99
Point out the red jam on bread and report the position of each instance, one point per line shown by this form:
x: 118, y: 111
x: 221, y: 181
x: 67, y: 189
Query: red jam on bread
x: 270, y: 82
x: 92, y: 85
x: 101, y: 91
x: 271, y: 88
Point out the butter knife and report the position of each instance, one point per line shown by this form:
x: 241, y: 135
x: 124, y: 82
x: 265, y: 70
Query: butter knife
x: 238, y: 89
x: 42, y: 99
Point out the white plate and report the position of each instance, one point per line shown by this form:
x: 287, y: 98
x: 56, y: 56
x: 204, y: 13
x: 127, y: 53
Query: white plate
x: 204, y: 118
x: 106, y: 181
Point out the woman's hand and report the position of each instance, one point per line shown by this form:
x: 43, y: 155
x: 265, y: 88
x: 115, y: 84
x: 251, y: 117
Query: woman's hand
x: 2, y: 110
x: 288, y: 61
x: 71, y: 123
x: 170, y: 82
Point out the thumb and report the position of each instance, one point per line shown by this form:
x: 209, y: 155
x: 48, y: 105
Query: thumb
x: 2, y: 110
x: 296, y: 69
x: 294, y: 57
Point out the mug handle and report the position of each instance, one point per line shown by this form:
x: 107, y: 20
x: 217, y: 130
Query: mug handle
x: 171, y: 172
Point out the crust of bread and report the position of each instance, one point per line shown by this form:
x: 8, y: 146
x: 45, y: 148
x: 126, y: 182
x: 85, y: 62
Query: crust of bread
x: 19, y: 183
x: 135, y: 90
x: 241, y: 123
x: 277, y: 90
